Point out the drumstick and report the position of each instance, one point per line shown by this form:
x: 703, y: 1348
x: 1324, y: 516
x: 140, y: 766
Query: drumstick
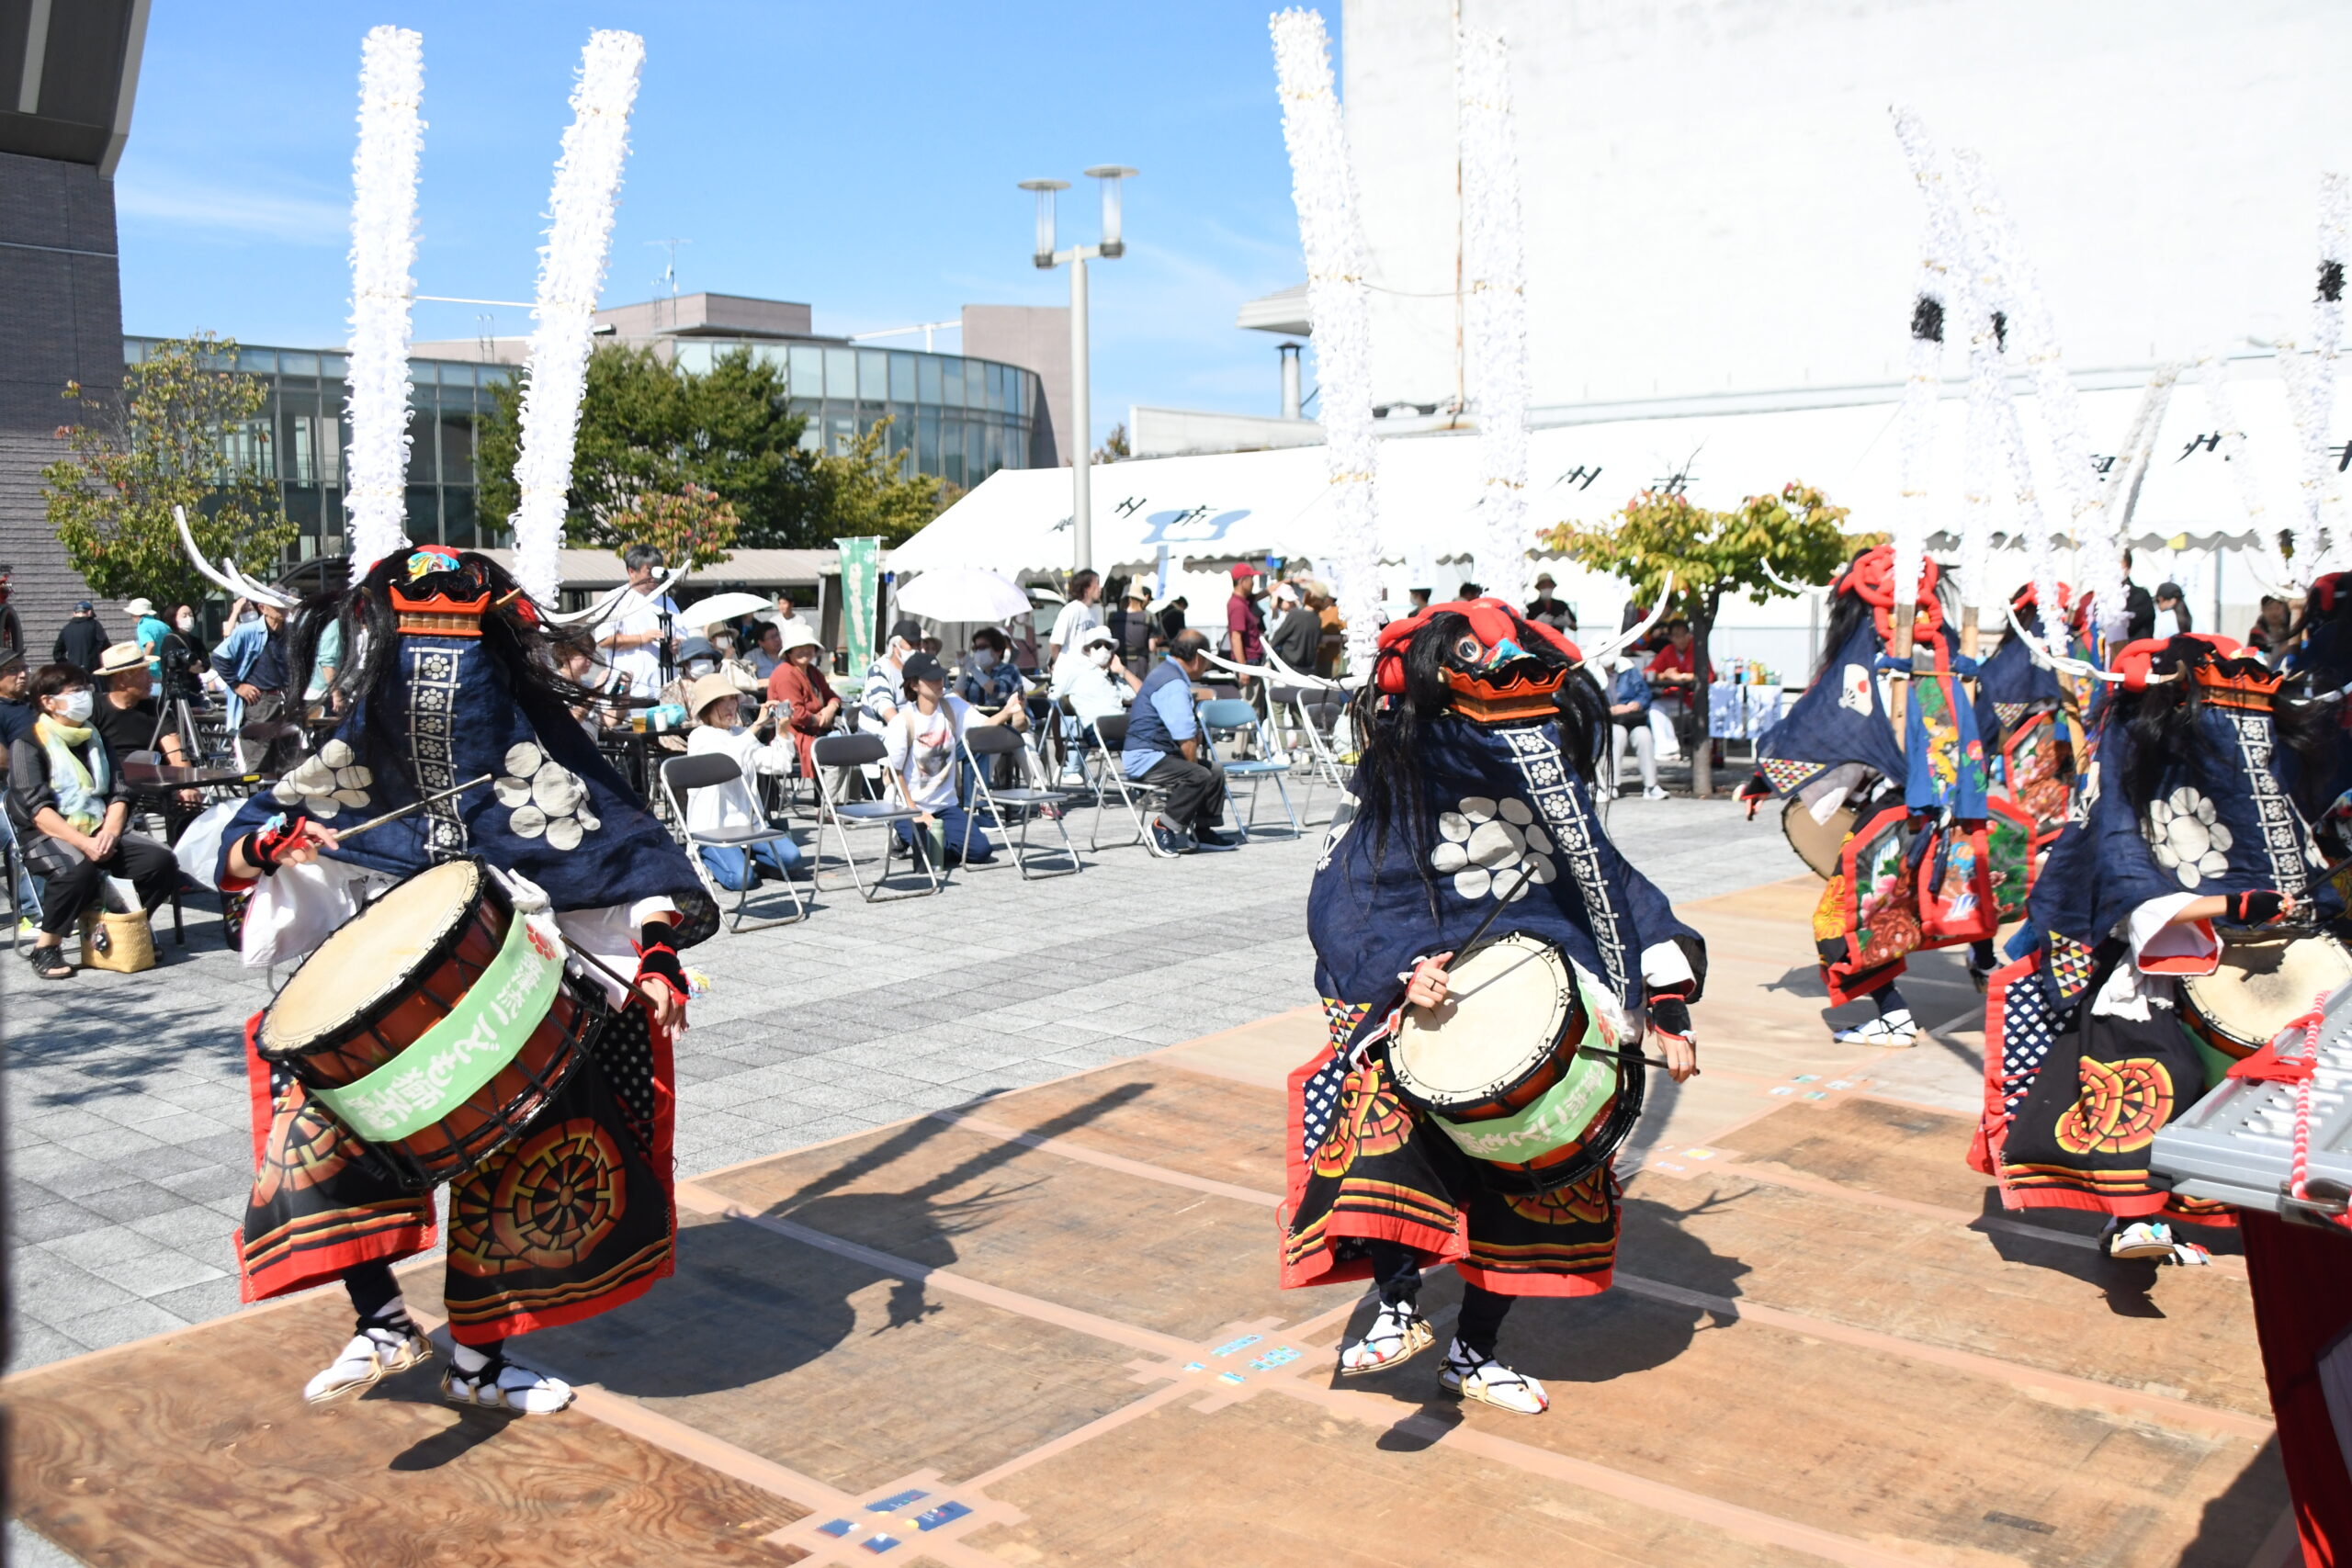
x: 1501, y: 898
x: 347, y: 834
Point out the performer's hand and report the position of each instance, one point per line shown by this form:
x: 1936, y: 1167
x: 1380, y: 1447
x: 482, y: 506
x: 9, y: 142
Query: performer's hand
x: 287, y: 841
x: 1677, y: 1040
x: 2261, y: 907
x: 1427, y: 988
x: 661, y: 978
x: 661, y: 1001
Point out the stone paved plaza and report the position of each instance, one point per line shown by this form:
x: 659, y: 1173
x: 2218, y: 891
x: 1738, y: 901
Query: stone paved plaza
x: 129, y: 1149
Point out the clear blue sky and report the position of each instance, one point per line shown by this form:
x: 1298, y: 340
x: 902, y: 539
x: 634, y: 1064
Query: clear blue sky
x: 859, y: 157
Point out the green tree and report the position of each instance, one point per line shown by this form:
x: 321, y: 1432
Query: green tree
x: 1115, y: 448
x: 185, y: 432
x: 648, y: 427
x: 1794, y: 534
x: 695, y: 527
x: 867, y: 489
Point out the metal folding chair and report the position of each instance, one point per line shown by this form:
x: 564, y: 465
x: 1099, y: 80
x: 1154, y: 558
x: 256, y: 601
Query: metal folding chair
x: 1110, y: 740
x: 1317, y: 715
x: 1235, y: 716
x: 681, y: 776
x: 984, y: 743
x: 859, y: 751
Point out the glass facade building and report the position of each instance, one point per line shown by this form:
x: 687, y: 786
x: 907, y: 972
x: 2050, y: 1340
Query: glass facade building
x: 950, y: 416
x: 961, y: 418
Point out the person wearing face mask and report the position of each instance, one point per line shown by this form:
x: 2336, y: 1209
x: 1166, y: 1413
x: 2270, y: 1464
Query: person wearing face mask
x: 1095, y: 681
x: 801, y: 692
x: 988, y: 679
x: 920, y: 751
x: 886, y: 685
x: 69, y: 805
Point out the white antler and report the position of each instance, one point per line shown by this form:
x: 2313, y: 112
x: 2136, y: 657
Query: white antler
x: 2067, y: 666
x: 1782, y: 583
x: 226, y: 574
x: 601, y: 611
x: 1627, y: 638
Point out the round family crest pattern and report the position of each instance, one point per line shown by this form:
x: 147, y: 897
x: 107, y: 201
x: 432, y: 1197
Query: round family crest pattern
x: 554, y: 1199
x: 1372, y: 1121
x: 543, y: 796
x: 1484, y: 843
x: 304, y: 1148
x: 2121, y: 1106
x: 2185, y: 837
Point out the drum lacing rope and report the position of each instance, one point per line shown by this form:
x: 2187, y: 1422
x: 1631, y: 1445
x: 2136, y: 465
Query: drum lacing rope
x: 2299, y: 1170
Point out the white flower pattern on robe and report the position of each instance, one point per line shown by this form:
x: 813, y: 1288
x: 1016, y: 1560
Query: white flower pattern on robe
x: 543, y: 796
x: 325, y: 782
x: 2185, y: 837
x: 1483, y: 843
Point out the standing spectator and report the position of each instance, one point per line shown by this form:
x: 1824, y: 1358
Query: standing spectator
x: 1415, y: 601
x: 1245, y: 628
x: 756, y: 748
x: 149, y: 630
x: 886, y: 685
x: 251, y: 659
x: 82, y: 640
x: 637, y: 633
x: 1332, y: 639
x: 2171, y: 619
x: 767, y: 648
x: 2272, y: 622
x: 809, y: 704
x: 1131, y: 626
x: 1077, y: 614
x: 2139, y: 606
x: 70, y: 809
x: 920, y: 748
x: 326, y: 662
x: 1297, y: 631
x: 1629, y: 724
x: 788, y: 617
x: 1171, y: 618
x: 1470, y: 591
x: 17, y: 711
x: 1164, y: 749
x: 12, y: 625
x: 1548, y: 609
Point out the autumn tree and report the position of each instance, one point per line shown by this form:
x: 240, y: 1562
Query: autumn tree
x: 867, y: 489
x: 169, y: 440
x: 695, y: 527
x: 1791, y: 537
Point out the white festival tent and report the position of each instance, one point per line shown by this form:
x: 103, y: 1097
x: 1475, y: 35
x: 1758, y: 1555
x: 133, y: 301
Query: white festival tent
x: 1209, y: 511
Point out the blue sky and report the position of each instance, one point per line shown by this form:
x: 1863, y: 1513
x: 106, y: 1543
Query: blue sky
x: 861, y: 157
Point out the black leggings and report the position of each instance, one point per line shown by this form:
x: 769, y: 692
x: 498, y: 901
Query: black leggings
x: 148, y: 866
x: 1397, y: 1271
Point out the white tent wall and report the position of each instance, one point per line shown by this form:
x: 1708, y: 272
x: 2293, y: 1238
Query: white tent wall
x: 1210, y: 510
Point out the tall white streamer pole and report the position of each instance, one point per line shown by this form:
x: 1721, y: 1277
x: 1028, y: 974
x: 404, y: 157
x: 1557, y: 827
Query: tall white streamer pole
x: 383, y: 249
x: 1939, y: 298
x: 2311, y: 388
x: 2285, y: 554
x: 572, y: 275
x: 1323, y: 186
x: 2098, y: 546
x: 1494, y: 270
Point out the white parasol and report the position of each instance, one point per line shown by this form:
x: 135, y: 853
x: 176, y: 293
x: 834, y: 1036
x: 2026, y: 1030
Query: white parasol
x: 964, y: 593
x: 723, y: 607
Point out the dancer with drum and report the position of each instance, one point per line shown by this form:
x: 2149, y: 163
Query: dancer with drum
x: 2173, y: 929
x: 1473, y: 1093
x: 1894, y: 741
x: 438, y: 1032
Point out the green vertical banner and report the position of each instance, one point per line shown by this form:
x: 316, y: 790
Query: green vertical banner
x: 861, y: 577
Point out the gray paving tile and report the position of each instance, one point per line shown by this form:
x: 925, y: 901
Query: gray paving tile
x: 35, y: 1343
x: 46, y: 1222
x: 159, y: 1271
x: 134, y: 1201
x: 121, y: 1325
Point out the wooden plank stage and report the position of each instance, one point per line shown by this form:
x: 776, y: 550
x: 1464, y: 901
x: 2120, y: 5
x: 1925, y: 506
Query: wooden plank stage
x: 1043, y: 1329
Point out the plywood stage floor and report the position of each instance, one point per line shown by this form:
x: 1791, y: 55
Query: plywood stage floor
x: 1045, y: 1330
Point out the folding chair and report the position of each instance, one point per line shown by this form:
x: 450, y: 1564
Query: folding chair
x: 681, y: 776
x: 860, y: 751
x: 982, y: 744
x: 1110, y: 740
x: 1234, y: 715
x: 1317, y: 713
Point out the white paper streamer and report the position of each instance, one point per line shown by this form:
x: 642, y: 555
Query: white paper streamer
x: 1323, y: 188
x: 2272, y: 542
x: 383, y: 250
x: 2131, y: 470
x: 1494, y: 275
x: 572, y: 275
x: 1939, y: 304
x: 2098, y: 546
x: 2308, y: 368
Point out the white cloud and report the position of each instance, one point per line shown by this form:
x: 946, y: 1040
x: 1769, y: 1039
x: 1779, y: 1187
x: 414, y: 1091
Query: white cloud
x: 178, y: 203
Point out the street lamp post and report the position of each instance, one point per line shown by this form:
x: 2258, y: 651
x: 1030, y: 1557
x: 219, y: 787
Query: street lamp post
x: 1112, y: 246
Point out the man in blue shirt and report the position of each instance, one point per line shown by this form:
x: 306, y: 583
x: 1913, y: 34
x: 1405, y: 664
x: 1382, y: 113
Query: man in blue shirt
x: 1164, y: 749
x: 17, y: 713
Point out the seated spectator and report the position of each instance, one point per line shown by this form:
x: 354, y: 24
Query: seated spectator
x: 1297, y: 631
x: 1164, y: 749
x: 1470, y: 591
x: 921, y: 746
x: 17, y: 711
x: 126, y: 714
x: 1096, y: 683
x: 757, y: 747
x: 886, y: 685
x: 1676, y: 664
x: 70, y: 808
x: 988, y: 679
x: 1172, y: 616
x: 575, y: 661
x: 1549, y: 609
x: 802, y: 696
x: 1629, y: 724
x: 768, y: 650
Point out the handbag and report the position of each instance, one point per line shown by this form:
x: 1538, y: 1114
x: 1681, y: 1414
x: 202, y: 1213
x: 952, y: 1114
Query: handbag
x: 123, y: 943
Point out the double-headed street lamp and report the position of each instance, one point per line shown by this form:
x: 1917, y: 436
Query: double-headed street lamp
x: 1111, y: 248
